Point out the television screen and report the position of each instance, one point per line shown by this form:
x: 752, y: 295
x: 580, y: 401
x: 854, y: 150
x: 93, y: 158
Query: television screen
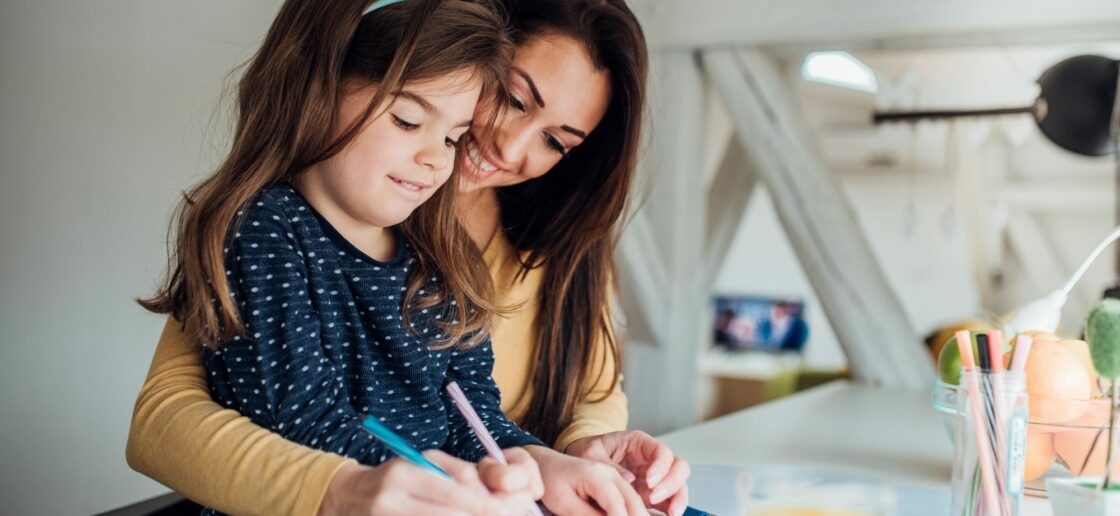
x: 759, y: 323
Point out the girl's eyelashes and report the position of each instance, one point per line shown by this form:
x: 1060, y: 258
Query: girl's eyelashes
x: 409, y: 126
x: 404, y: 124
x: 516, y: 103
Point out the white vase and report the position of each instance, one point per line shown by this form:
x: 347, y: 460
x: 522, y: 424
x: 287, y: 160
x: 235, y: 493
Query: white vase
x: 1069, y: 497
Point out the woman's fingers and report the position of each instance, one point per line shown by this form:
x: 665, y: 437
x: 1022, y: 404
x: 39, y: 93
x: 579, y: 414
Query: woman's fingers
x: 672, y: 483
x: 676, y: 505
x: 650, y: 455
x: 634, y: 504
x: 568, y: 502
x: 626, y: 474
x: 609, y: 494
x: 615, y: 495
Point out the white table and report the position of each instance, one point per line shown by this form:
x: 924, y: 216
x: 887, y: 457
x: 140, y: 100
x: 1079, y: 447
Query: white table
x: 895, y: 436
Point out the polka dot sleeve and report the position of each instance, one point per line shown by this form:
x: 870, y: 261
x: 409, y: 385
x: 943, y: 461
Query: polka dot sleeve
x: 277, y: 373
x: 472, y: 369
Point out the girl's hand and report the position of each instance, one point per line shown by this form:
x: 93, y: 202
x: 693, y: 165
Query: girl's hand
x: 520, y: 476
x: 656, y: 474
x: 400, y: 488
x: 575, y: 486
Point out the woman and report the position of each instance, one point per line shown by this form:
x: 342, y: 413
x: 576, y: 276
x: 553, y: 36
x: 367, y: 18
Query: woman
x: 543, y: 202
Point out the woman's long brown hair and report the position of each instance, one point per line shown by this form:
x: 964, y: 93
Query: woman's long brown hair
x: 566, y: 220
x: 287, y: 120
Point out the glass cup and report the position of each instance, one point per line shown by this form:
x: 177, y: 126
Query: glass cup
x: 989, y: 444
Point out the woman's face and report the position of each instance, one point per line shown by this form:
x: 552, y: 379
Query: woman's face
x: 557, y: 97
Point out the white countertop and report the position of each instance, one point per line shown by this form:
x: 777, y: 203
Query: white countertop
x: 894, y: 436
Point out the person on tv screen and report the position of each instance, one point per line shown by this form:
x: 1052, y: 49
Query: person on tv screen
x: 784, y: 330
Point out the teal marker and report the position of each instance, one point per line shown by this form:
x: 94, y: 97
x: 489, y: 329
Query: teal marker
x: 400, y: 446
x: 381, y: 3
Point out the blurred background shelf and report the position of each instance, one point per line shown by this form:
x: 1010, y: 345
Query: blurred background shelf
x: 742, y: 379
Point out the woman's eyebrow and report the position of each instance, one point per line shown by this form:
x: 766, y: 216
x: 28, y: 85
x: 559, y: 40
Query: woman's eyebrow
x: 532, y: 85
x: 574, y: 131
x: 540, y: 101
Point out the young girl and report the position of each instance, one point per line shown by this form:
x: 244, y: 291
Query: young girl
x: 316, y: 307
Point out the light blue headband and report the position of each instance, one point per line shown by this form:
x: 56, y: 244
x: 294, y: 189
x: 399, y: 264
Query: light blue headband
x: 379, y: 4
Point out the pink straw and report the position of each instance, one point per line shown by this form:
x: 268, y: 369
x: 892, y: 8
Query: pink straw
x: 1022, y: 350
x: 997, y: 384
x: 983, y: 445
x: 995, y: 349
x: 480, y: 431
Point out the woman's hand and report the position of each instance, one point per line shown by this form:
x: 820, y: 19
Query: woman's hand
x: 400, y: 488
x: 656, y: 474
x: 575, y: 486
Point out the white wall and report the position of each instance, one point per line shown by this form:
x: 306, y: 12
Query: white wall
x: 924, y: 256
x: 106, y: 113
x: 762, y: 262
x: 931, y: 279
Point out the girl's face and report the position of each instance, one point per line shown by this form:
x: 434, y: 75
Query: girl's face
x: 398, y: 160
x: 557, y: 97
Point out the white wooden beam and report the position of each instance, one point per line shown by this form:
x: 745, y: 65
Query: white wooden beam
x: 716, y: 23
x: 728, y: 198
x: 662, y: 379
x: 643, y: 279
x: 866, y: 316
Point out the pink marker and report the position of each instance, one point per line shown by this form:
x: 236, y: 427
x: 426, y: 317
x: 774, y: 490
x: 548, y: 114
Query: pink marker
x: 480, y: 431
x: 995, y: 349
x: 983, y: 444
x: 1022, y: 352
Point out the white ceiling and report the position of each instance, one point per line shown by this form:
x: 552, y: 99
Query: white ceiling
x: 929, y: 54
x: 692, y: 23
x: 968, y: 78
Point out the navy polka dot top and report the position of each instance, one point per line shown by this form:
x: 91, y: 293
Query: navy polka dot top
x: 325, y: 343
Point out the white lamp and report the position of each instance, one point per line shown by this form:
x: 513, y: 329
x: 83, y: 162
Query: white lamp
x: 1045, y: 314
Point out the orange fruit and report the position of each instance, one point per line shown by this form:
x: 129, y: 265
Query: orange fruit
x: 1080, y: 349
x: 1057, y: 383
x: 1040, y: 454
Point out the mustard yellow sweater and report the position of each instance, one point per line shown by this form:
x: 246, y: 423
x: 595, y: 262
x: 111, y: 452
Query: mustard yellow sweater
x: 218, y: 458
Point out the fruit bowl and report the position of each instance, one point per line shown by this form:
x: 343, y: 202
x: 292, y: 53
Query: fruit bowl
x: 1060, y: 436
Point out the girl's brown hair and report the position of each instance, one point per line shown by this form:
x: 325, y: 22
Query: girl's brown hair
x: 567, y: 220
x: 287, y: 120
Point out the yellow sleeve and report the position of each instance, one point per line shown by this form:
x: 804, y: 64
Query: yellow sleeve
x: 214, y: 456
x: 596, y: 414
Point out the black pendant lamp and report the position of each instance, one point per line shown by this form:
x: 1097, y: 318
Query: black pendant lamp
x: 1078, y: 108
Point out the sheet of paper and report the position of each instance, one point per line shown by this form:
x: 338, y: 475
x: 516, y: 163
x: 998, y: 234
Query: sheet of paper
x: 735, y: 491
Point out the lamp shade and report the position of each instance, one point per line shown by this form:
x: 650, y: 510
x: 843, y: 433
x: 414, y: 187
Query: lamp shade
x: 1077, y: 104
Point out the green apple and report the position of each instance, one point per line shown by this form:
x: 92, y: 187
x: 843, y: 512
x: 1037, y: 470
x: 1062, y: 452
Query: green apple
x: 949, y: 361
